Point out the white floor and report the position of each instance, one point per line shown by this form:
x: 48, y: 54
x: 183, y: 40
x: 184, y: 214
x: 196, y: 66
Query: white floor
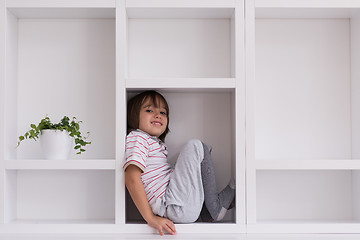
x: 180, y: 236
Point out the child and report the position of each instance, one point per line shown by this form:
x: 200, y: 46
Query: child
x: 164, y: 195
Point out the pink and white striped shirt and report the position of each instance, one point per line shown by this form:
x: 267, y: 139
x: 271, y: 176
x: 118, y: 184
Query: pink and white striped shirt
x: 150, y: 155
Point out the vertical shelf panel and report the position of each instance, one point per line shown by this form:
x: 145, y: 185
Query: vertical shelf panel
x: 250, y: 127
x: 2, y: 107
x: 121, y: 75
x: 355, y: 106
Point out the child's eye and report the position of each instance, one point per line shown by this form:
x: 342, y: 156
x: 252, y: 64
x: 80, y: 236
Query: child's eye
x: 148, y: 110
x: 163, y: 113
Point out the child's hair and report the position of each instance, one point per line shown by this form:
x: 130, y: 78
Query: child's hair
x: 134, y: 107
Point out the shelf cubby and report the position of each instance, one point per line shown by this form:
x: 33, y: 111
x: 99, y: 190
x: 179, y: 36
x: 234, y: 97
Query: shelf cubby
x: 67, y: 57
x: 181, y: 42
x: 188, y: 111
x: 308, y: 196
x: 60, y: 196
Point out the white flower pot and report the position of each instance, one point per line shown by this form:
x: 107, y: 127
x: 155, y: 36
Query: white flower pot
x: 56, y: 144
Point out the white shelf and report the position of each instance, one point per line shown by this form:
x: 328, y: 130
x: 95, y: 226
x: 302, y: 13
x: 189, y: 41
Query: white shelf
x: 103, y: 164
x: 307, y: 4
x: 182, y: 83
x: 79, y: 9
x: 170, y: 13
x: 62, y: 222
x: 308, y: 164
x: 306, y: 9
x: 63, y: 13
x: 303, y: 227
x: 61, y: 4
x: 180, y: 4
x: 106, y: 226
x: 192, y: 228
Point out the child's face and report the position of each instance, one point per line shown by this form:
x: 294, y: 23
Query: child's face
x: 153, y: 120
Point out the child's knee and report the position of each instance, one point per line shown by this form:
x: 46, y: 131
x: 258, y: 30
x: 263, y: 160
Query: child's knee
x: 195, y: 145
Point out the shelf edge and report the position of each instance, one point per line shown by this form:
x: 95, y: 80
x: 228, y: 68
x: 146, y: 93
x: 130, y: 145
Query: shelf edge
x: 308, y: 164
x: 61, y: 4
x: 99, y: 164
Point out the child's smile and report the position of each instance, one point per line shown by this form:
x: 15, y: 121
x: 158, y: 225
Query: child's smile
x: 153, y: 120
x: 157, y: 123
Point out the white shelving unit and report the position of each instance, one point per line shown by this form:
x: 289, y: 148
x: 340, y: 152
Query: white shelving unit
x: 85, y: 59
x: 302, y: 116
x: 277, y: 78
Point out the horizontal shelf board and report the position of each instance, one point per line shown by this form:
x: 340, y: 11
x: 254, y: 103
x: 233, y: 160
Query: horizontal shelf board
x: 61, y: 4
x: 192, y: 228
x: 306, y: 13
x: 182, y: 83
x: 180, y: 3
x: 101, y: 164
x: 96, y: 226
x: 157, y: 13
x: 303, y: 227
x: 67, y: 221
x: 307, y: 3
x: 308, y: 164
x: 211, y: 228
x: 63, y: 13
x: 311, y: 221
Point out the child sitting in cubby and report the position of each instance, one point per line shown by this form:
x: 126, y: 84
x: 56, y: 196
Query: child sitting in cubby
x: 163, y: 195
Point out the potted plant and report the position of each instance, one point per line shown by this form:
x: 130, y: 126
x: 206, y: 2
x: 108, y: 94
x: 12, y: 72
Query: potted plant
x: 57, y: 138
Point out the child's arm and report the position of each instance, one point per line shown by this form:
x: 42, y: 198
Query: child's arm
x: 137, y: 191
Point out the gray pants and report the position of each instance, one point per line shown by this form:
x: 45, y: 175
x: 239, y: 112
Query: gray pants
x: 184, y: 196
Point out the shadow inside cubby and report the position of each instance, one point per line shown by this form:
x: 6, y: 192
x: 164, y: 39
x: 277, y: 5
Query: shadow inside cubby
x: 207, y: 115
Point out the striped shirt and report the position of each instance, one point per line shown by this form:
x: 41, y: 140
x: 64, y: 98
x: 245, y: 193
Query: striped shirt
x: 150, y: 155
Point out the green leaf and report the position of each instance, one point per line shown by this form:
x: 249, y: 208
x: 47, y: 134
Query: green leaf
x: 73, y: 128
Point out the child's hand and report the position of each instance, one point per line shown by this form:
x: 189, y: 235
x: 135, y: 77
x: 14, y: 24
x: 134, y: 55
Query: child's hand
x: 160, y: 224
